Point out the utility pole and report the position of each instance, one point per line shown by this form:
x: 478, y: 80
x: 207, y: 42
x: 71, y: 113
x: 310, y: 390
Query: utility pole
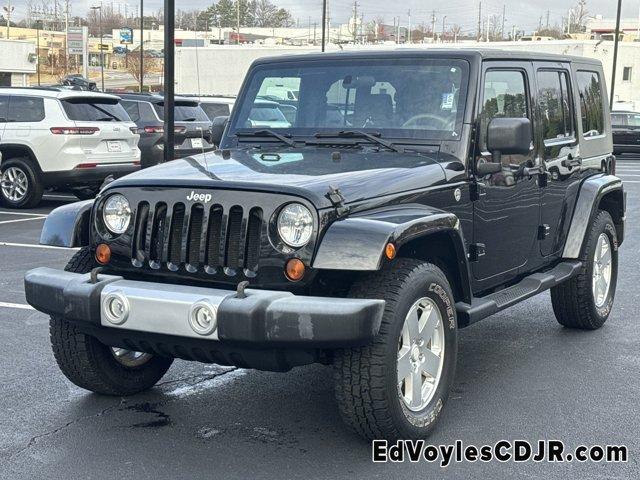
x: 38, y: 49
x: 141, y: 45
x: 99, y: 8
x: 548, y: 12
x: 324, y: 24
x: 8, y: 9
x: 355, y: 22
x: 615, y: 54
x: 479, y: 36
x: 410, y: 36
x: 238, y: 22
x: 433, y: 25
x: 66, y: 36
x: 504, y: 11
x: 443, y: 23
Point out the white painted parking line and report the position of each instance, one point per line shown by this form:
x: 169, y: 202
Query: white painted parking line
x: 22, y: 220
x: 19, y: 306
x: 22, y: 214
x: 31, y: 245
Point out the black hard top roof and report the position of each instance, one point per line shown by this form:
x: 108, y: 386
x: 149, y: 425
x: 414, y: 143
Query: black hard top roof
x: 462, y: 53
x: 155, y: 98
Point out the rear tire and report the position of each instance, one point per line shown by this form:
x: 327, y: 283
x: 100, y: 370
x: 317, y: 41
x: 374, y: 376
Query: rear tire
x: 583, y: 302
x: 90, y: 364
x: 374, y: 397
x: 20, y: 185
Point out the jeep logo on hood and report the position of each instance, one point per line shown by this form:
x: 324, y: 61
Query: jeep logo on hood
x: 199, y: 197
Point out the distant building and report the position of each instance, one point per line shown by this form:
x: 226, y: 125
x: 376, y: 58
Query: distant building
x: 18, y: 60
x: 604, y: 29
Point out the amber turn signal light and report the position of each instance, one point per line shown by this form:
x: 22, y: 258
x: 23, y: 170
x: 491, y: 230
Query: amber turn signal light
x: 103, y: 254
x: 390, y: 251
x: 294, y: 269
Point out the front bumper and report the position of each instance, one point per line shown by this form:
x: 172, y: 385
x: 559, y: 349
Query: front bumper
x: 261, y: 318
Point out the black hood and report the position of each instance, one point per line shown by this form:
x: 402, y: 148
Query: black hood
x: 305, y: 172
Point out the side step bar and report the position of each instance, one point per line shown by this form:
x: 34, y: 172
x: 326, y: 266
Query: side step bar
x: 483, y: 307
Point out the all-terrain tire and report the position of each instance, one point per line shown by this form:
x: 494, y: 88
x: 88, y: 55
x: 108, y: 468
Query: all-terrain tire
x: 92, y: 365
x: 35, y: 190
x: 366, y: 379
x: 573, y: 301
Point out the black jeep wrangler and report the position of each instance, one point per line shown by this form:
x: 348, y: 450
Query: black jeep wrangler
x: 414, y: 193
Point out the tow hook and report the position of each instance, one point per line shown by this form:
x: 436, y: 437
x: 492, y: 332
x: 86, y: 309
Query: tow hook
x: 240, y: 293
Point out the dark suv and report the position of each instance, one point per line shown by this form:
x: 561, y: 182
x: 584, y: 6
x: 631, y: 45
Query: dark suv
x: 412, y: 194
x: 626, y: 132
x: 192, y: 127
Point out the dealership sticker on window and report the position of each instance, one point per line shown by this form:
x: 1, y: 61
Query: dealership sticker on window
x: 447, y: 101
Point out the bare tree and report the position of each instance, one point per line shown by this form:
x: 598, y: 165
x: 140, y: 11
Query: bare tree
x: 133, y: 65
x: 578, y: 14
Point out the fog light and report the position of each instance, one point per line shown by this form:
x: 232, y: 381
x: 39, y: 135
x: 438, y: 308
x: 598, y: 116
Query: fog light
x: 203, y: 318
x: 103, y: 254
x: 294, y: 269
x: 116, y: 308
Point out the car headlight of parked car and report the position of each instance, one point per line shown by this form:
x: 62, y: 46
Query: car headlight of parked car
x: 116, y: 213
x: 295, y: 225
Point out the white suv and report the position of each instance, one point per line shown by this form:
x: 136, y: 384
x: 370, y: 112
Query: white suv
x: 63, y: 139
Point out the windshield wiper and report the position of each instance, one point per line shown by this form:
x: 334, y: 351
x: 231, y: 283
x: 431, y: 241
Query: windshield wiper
x: 265, y: 132
x: 372, y: 137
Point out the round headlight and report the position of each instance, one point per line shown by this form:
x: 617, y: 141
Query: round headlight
x: 295, y: 225
x: 116, y: 213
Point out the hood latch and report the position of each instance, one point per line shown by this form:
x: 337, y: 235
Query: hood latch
x: 337, y: 200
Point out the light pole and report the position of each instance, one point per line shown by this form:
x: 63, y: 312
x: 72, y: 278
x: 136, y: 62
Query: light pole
x: 141, y: 45
x: 615, y: 53
x: 324, y: 23
x: 169, y: 71
x: 99, y: 8
x: 443, y: 24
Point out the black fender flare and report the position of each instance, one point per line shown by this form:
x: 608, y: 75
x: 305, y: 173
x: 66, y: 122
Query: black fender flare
x: 357, y: 243
x: 68, y: 225
x: 592, y: 192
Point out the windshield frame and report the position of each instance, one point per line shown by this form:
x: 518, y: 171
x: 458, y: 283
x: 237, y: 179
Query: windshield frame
x: 250, y: 89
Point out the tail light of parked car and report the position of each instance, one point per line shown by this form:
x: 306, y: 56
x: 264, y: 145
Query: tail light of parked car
x: 74, y: 130
x: 161, y: 129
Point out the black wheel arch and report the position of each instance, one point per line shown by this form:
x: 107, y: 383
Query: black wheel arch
x: 16, y: 150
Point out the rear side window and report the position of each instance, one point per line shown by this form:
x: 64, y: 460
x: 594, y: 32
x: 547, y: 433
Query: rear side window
x: 25, y: 109
x: 590, y: 90
x: 214, y: 110
x: 554, y: 101
x: 133, y: 109
x: 184, y: 113
x: 93, y: 110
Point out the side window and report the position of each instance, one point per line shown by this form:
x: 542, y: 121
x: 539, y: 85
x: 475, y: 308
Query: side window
x: 25, y: 109
x: 4, y: 107
x: 592, y: 114
x: 619, y: 119
x: 554, y: 101
x: 504, y: 95
x: 132, y: 109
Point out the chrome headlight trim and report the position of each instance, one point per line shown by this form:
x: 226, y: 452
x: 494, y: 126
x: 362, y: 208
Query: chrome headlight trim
x: 116, y: 213
x: 295, y: 225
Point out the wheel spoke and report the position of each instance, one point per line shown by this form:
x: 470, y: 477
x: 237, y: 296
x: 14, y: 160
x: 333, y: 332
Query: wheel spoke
x: 431, y: 364
x: 416, y: 388
x: 412, y: 325
x: 404, y: 363
x: 605, y: 259
x: 429, y: 324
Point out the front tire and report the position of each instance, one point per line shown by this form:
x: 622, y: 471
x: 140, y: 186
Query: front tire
x: 416, y: 347
x: 94, y: 366
x: 586, y: 300
x: 20, y: 185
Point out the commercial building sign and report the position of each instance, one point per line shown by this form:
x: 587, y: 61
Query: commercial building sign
x: 75, y: 41
x: 126, y: 36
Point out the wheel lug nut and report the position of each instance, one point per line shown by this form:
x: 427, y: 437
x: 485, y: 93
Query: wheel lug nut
x: 422, y: 358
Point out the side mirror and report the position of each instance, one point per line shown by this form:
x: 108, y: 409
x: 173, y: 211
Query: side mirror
x: 509, y: 136
x: 217, y: 129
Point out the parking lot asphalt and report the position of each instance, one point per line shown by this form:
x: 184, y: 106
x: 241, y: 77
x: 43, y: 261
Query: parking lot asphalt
x: 520, y: 376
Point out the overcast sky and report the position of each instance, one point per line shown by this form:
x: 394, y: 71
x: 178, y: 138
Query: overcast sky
x: 523, y: 14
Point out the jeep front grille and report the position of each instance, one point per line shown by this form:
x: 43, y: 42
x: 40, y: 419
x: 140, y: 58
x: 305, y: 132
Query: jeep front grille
x: 198, y: 237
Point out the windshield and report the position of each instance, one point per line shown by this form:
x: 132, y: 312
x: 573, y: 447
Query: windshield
x: 402, y: 98
x: 625, y: 119
x: 184, y: 113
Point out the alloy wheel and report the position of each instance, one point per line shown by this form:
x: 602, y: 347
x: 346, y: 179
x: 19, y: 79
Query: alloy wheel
x: 15, y: 184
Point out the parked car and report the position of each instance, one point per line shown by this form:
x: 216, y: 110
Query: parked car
x: 365, y: 246
x: 52, y: 138
x: 192, y: 126
x: 215, y: 106
x: 626, y: 132
x: 78, y: 81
